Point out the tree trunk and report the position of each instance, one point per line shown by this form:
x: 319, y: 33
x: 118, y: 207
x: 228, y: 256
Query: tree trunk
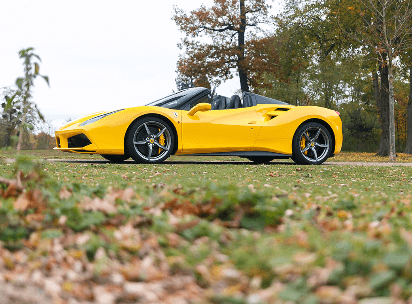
x: 18, y: 148
x: 375, y: 80
x: 392, y: 149
x: 241, y: 46
x: 408, y: 148
x: 6, y: 141
x: 328, y: 95
x: 383, y: 107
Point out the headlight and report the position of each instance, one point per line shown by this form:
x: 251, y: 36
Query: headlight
x: 98, y: 117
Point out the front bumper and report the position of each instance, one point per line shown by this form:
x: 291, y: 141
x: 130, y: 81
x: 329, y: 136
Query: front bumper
x: 75, y: 141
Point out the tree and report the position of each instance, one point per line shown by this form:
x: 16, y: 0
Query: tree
x: 11, y: 114
x: 313, y: 52
x: 183, y: 82
x: 387, y: 31
x: 43, y: 141
x: 291, y: 78
x: 225, y: 23
x: 408, y: 147
x: 31, y: 71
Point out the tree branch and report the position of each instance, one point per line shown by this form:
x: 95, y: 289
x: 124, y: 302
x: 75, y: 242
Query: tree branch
x: 228, y: 27
x: 247, y: 11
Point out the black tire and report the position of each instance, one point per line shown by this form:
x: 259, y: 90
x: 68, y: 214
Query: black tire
x: 260, y: 159
x: 115, y: 158
x: 149, y: 140
x: 312, y: 144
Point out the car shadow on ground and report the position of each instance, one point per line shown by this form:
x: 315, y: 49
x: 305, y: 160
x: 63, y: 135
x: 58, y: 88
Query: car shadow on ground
x: 168, y: 162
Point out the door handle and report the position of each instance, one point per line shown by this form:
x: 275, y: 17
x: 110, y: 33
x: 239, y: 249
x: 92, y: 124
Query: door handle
x: 251, y: 122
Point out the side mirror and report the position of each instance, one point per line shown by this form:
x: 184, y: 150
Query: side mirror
x: 202, y: 107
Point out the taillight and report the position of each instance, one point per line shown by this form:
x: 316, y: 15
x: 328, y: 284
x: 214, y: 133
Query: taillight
x: 337, y: 113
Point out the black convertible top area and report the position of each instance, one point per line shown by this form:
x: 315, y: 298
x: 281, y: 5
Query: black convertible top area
x: 184, y: 100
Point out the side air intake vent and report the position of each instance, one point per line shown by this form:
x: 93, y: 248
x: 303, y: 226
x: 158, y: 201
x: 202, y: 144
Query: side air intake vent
x: 78, y: 141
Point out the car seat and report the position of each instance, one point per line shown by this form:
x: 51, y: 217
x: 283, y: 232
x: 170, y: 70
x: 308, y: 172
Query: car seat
x: 234, y: 102
x: 219, y: 103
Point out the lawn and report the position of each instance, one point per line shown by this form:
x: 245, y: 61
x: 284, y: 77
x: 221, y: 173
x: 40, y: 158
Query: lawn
x: 209, y: 230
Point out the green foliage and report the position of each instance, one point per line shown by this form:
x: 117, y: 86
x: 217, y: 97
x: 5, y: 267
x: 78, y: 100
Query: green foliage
x: 24, y: 85
x: 18, y: 110
x: 361, y: 128
x: 51, y: 233
x: 345, y: 205
x: 204, y: 228
x: 382, y: 279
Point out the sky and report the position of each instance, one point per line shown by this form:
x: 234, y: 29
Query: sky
x: 99, y: 55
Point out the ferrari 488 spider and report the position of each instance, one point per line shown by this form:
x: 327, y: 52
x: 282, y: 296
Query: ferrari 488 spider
x: 192, y: 122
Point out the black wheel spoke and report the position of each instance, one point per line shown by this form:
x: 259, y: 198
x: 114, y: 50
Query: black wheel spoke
x: 160, y: 146
x: 313, y: 146
x: 306, y: 148
x: 149, y: 154
x: 314, y: 153
x: 152, y: 141
x: 321, y: 145
x: 316, y: 136
x: 160, y: 133
x: 147, y: 129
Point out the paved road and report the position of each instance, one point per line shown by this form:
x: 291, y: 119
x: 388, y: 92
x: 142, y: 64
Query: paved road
x: 369, y: 164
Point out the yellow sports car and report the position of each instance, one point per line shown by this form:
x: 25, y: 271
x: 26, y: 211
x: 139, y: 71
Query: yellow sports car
x: 191, y: 122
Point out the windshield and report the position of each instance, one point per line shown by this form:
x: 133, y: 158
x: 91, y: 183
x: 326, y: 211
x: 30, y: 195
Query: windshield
x: 180, y: 99
x: 168, y: 101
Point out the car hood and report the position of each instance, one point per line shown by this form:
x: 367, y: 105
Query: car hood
x: 81, y: 119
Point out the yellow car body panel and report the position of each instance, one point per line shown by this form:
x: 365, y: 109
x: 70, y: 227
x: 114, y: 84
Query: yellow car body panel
x: 261, y: 128
x: 107, y: 134
x: 264, y: 128
x: 258, y: 128
x: 278, y: 127
x: 219, y: 131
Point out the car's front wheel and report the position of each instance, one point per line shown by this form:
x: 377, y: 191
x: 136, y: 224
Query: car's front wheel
x: 115, y: 158
x: 149, y: 140
x: 312, y: 144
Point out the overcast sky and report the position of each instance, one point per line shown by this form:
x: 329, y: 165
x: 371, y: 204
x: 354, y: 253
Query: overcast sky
x: 99, y: 55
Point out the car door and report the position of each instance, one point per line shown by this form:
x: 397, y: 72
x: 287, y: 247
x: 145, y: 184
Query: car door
x: 225, y: 130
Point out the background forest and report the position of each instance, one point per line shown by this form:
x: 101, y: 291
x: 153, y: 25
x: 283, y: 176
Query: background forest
x: 352, y: 56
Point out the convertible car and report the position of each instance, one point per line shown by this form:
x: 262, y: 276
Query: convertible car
x: 191, y: 122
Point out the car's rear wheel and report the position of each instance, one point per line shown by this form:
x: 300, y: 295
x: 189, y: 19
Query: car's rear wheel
x: 150, y: 140
x: 260, y: 159
x: 312, y: 144
x: 115, y: 158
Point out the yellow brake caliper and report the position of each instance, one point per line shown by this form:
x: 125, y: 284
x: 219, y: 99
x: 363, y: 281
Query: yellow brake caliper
x: 161, y: 141
x: 303, y: 144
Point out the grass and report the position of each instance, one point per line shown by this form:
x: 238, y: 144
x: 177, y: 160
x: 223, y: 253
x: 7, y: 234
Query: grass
x: 309, y: 234
x: 341, y: 157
